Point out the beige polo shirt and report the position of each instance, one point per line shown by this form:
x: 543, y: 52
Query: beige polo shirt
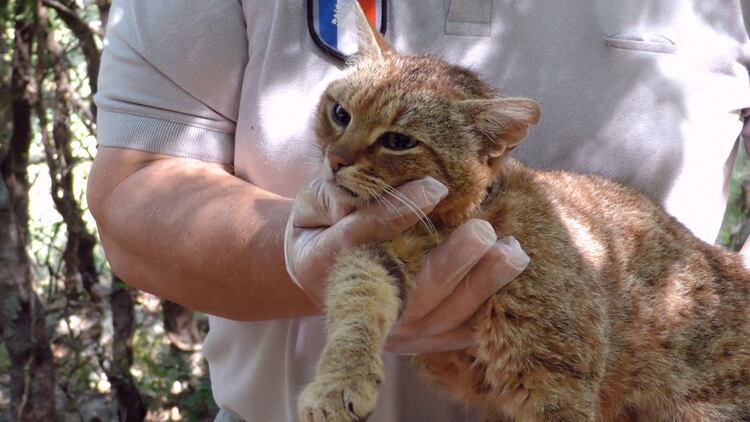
x: 646, y: 92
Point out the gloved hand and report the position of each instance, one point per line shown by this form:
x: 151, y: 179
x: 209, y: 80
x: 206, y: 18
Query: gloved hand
x: 457, y: 277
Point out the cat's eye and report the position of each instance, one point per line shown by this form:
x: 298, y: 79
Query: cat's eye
x: 397, y: 141
x: 340, y: 115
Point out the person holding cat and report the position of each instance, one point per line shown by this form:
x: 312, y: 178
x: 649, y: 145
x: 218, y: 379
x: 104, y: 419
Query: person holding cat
x: 203, y: 147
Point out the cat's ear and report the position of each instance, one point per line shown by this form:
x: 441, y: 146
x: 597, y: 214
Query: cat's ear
x: 371, y: 43
x: 504, y: 121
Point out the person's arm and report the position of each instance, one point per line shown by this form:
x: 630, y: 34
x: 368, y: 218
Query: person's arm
x: 192, y: 232
x: 176, y: 222
x: 185, y: 229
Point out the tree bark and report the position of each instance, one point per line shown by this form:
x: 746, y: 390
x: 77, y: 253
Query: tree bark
x: 80, y: 267
x: 180, y: 326
x: 70, y: 13
x: 131, y: 407
x: 104, y: 6
x: 78, y: 254
x: 21, y: 312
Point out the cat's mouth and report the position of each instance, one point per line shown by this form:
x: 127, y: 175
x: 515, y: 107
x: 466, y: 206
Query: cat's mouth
x: 347, y: 188
x: 348, y: 191
x: 355, y: 189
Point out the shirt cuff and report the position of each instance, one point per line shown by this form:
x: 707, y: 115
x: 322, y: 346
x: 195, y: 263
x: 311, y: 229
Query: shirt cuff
x: 144, y: 133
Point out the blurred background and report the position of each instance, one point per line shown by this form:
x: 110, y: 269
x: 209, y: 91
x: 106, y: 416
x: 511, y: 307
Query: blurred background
x: 76, y: 343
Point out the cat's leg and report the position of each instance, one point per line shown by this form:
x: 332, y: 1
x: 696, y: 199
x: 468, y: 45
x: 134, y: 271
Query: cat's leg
x: 705, y: 411
x: 558, y: 398
x: 365, y: 295
x: 488, y: 418
x: 542, y: 364
x: 495, y: 417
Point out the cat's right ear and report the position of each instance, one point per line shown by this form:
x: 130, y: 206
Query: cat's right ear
x: 503, y: 122
x: 371, y: 43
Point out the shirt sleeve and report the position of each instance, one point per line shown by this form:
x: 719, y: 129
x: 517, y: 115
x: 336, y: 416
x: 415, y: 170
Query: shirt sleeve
x: 745, y: 5
x: 171, y: 77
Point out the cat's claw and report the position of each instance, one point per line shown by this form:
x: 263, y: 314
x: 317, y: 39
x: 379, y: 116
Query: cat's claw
x: 344, y: 400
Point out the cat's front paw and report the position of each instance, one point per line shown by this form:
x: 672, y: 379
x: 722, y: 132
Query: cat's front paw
x: 338, y: 400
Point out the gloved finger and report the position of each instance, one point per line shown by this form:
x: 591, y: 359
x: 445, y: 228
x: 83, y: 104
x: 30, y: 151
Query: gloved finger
x: 446, y: 265
x: 304, y: 255
x: 456, y: 339
x: 310, y: 246
x: 386, y: 220
x: 316, y: 205
x: 498, y: 267
x: 306, y: 259
x: 315, y: 209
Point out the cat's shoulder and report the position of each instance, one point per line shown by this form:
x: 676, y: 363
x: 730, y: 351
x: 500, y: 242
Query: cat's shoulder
x: 584, y: 187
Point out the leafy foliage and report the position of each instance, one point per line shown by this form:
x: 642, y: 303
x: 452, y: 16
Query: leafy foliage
x: 734, y: 229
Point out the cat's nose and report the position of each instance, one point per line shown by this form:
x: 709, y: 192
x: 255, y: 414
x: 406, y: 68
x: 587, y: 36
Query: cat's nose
x: 337, y: 162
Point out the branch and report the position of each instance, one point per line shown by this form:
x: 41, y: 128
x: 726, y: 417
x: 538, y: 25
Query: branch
x: 24, y: 336
x: 85, y: 35
x: 67, y: 14
x: 78, y: 254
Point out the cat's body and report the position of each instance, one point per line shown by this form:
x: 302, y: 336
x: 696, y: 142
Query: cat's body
x: 622, y: 313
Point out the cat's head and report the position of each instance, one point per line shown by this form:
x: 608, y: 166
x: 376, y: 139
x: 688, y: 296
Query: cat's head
x: 396, y: 118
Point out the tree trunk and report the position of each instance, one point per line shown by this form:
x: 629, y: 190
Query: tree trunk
x: 80, y: 268
x: 131, y: 407
x: 23, y: 325
x: 21, y: 312
x: 180, y: 326
x: 104, y: 6
x: 70, y: 13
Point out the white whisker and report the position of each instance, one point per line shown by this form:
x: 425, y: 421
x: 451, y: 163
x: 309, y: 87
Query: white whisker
x: 415, y: 209
x: 313, y: 144
x: 386, y: 203
x: 380, y: 198
x: 407, y: 202
x: 311, y: 157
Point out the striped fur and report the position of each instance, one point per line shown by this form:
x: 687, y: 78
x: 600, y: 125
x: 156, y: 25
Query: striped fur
x: 621, y: 315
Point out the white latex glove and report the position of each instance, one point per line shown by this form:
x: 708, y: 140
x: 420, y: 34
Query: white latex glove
x: 457, y: 277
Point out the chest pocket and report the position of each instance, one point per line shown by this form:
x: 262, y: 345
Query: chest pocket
x: 472, y: 18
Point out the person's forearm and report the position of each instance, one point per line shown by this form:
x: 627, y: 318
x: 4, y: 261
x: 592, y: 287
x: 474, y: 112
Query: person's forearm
x: 193, y: 233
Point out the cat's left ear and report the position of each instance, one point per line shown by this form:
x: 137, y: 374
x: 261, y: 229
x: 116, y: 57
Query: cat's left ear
x: 504, y: 122
x: 371, y: 43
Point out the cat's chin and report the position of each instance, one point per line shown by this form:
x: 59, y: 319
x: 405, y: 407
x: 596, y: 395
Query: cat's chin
x: 348, y: 192
x: 350, y: 197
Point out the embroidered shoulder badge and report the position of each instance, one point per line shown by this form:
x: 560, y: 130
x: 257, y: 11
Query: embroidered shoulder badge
x: 332, y: 23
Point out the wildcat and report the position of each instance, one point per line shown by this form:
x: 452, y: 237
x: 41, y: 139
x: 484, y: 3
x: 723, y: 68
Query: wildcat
x: 622, y: 314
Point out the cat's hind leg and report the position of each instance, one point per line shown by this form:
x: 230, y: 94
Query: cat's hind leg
x: 541, y: 371
x: 364, y: 298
